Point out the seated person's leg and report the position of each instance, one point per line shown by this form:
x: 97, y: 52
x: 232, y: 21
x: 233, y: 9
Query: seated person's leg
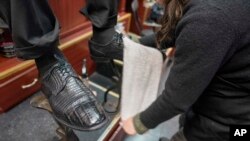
x: 105, y: 44
x: 35, y: 32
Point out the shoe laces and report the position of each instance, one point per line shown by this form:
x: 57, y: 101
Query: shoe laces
x: 64, y: 67
x: 118, y: 38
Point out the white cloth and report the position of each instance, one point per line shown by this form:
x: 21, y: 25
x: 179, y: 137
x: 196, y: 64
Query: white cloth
x: 144, y: 76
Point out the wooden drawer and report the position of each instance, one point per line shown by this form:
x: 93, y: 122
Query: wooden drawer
x: 118, y: 135
x: 18, y: 88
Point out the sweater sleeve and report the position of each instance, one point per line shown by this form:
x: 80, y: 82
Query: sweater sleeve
x: 203, y: 40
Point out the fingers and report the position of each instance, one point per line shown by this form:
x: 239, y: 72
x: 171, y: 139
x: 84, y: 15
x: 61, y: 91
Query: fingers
x: 170, y: 52
x: 128, y: 126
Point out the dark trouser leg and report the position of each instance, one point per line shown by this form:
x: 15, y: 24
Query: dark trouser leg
x: 103, y: 15
x: 105, y: 44
x: 34, y: 28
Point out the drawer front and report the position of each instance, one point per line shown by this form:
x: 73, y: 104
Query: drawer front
x: 118, y: 135
x: 18, y: 88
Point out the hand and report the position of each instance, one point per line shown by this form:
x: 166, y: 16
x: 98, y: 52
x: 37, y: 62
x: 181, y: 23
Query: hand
x: 128, y: 126
x: 170, y: 52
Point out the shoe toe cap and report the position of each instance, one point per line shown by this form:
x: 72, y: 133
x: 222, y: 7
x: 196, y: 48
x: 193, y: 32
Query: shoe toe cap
x: 89, y: 114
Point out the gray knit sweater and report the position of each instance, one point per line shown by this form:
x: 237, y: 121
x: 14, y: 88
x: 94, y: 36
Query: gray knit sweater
x: 210, y: 78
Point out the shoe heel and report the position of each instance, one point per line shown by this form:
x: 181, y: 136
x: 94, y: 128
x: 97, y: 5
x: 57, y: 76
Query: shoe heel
x: 101, y: 59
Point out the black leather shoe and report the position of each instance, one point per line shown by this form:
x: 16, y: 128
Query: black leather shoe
x: 112, y: 50
x: 73, y: 104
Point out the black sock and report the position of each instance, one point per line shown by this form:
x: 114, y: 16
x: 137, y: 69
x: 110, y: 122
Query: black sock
x: 46, y: 61
x: 103, y: 35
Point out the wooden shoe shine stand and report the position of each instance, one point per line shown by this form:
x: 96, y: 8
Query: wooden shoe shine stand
x: 109, y: 132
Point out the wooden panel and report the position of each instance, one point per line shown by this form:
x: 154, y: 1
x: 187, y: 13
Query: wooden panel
x: 125, y: 18
x: 112, y: 131
x: 12, y: 91
x: 122, y: 6
x: 75, y: 55
x: 6, y: 64
x: 118, y: 135
x: 70, y: 19
x: 141, y: 11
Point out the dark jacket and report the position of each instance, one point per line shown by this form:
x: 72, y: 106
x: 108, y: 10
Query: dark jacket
x: 210, y: 79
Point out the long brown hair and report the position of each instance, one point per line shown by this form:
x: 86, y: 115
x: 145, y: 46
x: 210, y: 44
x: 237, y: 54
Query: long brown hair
x: 173, y: 13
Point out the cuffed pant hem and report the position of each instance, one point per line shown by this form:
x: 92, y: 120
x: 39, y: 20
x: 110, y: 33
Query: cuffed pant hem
x: 34, y: 52
x: 100, y: 22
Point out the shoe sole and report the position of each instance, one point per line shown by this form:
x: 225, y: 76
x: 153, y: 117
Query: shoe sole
x: 98, y: 126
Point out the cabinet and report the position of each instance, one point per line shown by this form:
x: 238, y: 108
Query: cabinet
x: 19, y: 79
x: 142, y: 12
